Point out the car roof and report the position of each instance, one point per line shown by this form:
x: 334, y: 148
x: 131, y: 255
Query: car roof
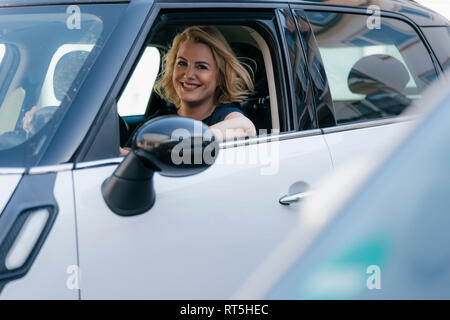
x: 419, y: 14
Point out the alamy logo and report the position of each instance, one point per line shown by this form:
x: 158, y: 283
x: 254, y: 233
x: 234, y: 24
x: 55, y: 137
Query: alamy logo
x: 74, y: 19
x: 188, y: 151
x: 73, y: 281
x: 374, y: 21
x: 374, y: 280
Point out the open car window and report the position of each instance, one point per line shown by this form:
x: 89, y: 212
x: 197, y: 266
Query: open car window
x: 252, y: 50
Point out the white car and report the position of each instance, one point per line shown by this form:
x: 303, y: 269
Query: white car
x: 77, y: 220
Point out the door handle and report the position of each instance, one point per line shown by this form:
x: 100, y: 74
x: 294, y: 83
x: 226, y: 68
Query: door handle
x: 294, y: 198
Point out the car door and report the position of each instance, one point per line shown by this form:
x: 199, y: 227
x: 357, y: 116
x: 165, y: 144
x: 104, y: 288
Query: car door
x: 373, y: 67
x: 205, y: 233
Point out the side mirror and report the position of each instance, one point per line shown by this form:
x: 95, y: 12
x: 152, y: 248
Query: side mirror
x: 171, y: 145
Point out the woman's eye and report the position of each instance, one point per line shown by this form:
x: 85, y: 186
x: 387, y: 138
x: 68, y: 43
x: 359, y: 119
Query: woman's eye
x: 181, y: 63
x: 202, y: 67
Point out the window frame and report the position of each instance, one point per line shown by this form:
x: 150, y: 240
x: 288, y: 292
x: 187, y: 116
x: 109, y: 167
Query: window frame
x: 322, y: 100
x: 303, y: 105
x: 195, y: 16
x: 363, y: 11
x: 437, y: 49
x: 8, y: 67
x: 282, y: 80
x: 83, y: 153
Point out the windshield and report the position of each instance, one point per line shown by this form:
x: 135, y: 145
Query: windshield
x: 45, y: 54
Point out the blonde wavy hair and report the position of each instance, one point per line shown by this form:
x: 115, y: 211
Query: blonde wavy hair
x: 234, y: 81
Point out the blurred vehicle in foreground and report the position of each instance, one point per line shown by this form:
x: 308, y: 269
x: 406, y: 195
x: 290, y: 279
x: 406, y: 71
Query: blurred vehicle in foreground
x: 389, y: 239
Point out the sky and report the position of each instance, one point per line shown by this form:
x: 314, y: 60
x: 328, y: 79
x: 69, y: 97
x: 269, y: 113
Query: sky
x: 440, y: 6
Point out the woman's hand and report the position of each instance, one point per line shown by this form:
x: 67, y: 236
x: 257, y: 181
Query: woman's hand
x: 235, y: 125
x: 124, y: 151
x: 28, y: 118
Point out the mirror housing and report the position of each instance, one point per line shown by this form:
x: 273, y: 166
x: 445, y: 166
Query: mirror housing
x: 171, y: 145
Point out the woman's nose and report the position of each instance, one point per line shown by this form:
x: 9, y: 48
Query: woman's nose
x: 190, y: 72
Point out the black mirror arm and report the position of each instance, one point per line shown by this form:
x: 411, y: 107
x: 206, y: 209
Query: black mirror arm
x: 129, y: 191
x: 171, y: 145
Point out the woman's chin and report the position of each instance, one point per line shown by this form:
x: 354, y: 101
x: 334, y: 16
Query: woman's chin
x: 193, y: 103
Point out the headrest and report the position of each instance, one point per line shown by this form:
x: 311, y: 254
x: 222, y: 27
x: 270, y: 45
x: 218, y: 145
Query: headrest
x: 66, y: 70
x: 251, y: 57
x: 376, y: 73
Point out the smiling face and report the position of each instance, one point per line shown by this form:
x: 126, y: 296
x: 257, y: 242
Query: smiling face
x: 195, y: 75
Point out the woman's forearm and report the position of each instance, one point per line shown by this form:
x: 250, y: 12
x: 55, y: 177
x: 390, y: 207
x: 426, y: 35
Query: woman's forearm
x: 239, y: 127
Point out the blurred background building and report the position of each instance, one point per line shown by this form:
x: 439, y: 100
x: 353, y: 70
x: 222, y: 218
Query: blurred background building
x: 440, y: 6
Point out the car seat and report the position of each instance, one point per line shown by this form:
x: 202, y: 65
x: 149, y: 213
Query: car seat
x: 257, y: 105
x: 382, y: 79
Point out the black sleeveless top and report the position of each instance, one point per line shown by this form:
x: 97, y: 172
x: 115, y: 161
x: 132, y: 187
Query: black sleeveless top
x: 219, y: 113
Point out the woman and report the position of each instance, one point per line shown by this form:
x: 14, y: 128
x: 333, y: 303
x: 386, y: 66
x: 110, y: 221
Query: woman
x: 205, y: 81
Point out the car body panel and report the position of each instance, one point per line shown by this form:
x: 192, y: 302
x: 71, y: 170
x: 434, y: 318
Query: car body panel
x: 439, y: 39
x: 205, y: 234
x: 415, y: 11
x: 421, y: 15
x: 52, y: 273
x: 349, y: 144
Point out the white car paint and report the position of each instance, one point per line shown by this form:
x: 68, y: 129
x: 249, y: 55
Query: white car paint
x: 205, y: 234
x: 48, y: 277
x: 441, y: 6
x: 347, y: 145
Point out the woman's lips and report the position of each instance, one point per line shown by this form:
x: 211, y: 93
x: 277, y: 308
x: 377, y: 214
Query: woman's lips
x: 189, y: 86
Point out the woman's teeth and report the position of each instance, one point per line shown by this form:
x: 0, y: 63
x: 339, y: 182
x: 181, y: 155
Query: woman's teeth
x: 189, y: 86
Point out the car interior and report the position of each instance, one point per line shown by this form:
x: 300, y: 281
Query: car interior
x: 251, y: 50
x: 381, y: 79
x: 373, y: 73
x: 32, y: 74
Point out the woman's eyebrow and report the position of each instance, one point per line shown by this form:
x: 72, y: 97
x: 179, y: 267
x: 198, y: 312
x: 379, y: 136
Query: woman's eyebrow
x: 204, y: 62
x: 198, y: 62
